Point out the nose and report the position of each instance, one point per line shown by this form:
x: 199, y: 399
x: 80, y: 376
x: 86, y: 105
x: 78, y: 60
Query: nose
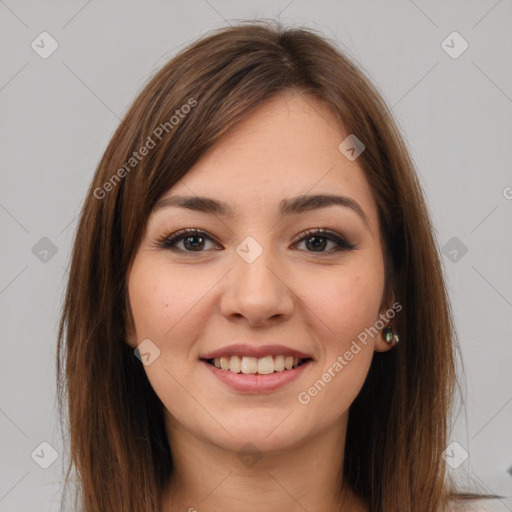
x: 258, y: 291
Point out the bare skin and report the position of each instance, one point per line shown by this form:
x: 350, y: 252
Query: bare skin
x: 192, y: 301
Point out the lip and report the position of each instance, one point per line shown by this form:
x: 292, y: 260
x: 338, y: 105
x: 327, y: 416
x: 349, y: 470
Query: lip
x: 252, y: 351
x: 254, y: 383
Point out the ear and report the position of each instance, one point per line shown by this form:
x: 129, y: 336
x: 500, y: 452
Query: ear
x: 387, y: 317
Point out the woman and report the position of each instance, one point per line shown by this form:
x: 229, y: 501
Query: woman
x: 256, y: 317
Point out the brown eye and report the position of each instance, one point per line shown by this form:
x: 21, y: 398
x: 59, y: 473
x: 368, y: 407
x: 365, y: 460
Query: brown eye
x: 194, y: 240
x: 317, y: 240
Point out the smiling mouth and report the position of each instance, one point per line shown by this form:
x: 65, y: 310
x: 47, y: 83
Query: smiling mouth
x: 256, y: 365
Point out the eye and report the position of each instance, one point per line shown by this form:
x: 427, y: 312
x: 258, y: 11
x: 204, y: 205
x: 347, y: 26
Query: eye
x: 195, y: 240
x: 317, y: 239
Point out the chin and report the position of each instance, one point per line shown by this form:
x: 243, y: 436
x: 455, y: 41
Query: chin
x: 266, y: 433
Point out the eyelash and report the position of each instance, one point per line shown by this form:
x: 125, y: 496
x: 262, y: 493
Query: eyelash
x: 169, y: 242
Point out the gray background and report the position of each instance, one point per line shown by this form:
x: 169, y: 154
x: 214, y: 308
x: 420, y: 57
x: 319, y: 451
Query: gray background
x: 57, y: 115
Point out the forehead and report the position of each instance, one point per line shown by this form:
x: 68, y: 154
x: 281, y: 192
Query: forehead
x: 287, y: 147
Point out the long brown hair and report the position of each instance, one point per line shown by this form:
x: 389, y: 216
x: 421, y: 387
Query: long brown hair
x: 397, y: 428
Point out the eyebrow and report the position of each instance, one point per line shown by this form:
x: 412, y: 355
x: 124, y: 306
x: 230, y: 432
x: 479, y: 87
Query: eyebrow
x: 294, y: 205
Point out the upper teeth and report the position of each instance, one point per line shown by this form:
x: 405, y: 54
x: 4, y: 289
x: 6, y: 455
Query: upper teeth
x: 262, y: 365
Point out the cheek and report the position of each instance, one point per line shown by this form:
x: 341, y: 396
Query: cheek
x: 165, y: 305
x: 344, y: 304
x: 162, y: 300
x: 344, y: 309
x: 358, y: 300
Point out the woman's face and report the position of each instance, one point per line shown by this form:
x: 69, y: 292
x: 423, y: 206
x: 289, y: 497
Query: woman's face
x: 253, y: 284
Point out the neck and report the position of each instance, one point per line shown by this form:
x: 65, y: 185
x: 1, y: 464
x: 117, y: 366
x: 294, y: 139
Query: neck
x: 307, y: 476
